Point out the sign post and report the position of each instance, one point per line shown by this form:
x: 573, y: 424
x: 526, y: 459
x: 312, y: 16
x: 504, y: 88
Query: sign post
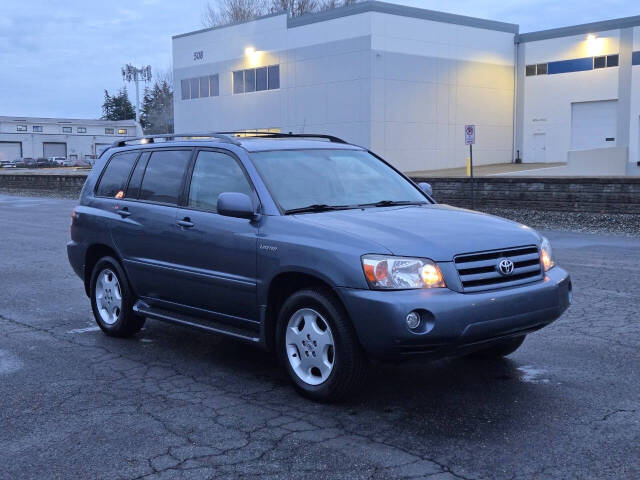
x: 470, y: 139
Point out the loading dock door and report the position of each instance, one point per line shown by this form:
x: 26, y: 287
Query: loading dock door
x: 10, y: 150
x: 51, y: 149
x: 594, y: 124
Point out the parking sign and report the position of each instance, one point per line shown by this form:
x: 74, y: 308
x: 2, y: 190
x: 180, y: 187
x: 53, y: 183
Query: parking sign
x: 469, y: 134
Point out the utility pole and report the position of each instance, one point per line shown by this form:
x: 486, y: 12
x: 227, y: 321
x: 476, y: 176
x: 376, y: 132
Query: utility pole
x: 133, y: 74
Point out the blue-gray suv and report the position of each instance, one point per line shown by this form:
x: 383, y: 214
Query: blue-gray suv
x: 307, y: 246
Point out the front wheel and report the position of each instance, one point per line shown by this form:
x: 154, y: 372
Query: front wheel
x: 318, y: 346
x: 112, y: 301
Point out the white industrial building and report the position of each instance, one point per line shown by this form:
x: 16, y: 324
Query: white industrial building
x: 75, y: 139
x: 404, y: 81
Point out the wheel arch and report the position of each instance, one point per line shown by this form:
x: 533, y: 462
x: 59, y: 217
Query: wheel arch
x: 280, y: 288
x: 94, y: 253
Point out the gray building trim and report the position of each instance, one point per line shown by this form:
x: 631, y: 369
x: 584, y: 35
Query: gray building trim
x: 403, y: 11
x: 583, y: 29
x: 203, y: 30
x: 624, y: 87
x: 519, y: 104
x: 379, y: 7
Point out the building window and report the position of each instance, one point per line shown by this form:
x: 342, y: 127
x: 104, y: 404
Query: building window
x: 541, y: 69
x: 204, y: 87
x: 37, y: 128
x: 250, y: 80
x: 185, y: 86
x: 256, y: 79
x: 214, y: 85
x: 122, y: 131
x: 274, y: 77
x: 261, y: 79
x: 195, y: 87
x: 82, y: 130
x: 530, y: 70
x: 21, y: 128
x: 200, y: 87
x: 67, y: 130
x: 599, y: 62
x: 238, y: 81
x: 108, y: 131
x: 612, y: 60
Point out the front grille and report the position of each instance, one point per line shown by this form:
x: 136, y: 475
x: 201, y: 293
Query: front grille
x: 479, y: 271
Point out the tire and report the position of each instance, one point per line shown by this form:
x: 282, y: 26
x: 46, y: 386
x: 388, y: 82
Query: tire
x: 504, y: 348
x: 335, y: 349
x: 112, y: 300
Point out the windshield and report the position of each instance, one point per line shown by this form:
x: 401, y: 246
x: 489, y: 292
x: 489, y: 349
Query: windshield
x: 332, y: 178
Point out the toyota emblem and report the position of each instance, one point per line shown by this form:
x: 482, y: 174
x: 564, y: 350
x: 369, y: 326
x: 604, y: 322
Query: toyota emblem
x: 505, y: 266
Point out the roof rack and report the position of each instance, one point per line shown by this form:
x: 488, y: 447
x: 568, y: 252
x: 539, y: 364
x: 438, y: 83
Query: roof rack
x: 331, y: 138
x: 172, y: 136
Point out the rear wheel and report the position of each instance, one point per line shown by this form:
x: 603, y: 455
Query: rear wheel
x: 318, y: 346
x: 504, y: 348
x: 112, y: 301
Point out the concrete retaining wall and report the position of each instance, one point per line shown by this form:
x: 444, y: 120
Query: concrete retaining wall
x: 43, y: 184
x: 595, y: 195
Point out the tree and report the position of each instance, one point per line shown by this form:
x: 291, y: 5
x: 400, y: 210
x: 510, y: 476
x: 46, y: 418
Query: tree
x: 225, y: 12
x: 117, y: 107
x: 157, y: 107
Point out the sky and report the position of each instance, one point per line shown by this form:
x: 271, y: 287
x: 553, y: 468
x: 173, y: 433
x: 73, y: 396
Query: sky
x: 58, y: 56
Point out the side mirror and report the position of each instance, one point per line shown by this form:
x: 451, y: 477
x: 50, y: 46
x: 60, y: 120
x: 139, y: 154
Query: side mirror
x: 426, y: 188
x: 234, y: 204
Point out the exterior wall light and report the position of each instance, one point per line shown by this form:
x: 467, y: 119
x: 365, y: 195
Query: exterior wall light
x: 253, y: 55
x: 595, y: 45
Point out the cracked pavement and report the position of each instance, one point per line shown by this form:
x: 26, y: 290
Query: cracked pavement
x: 174, y: 403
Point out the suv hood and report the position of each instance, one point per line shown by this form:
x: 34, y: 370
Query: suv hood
x: 438, y: 232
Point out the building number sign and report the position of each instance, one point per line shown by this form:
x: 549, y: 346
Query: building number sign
x: 199, y: 55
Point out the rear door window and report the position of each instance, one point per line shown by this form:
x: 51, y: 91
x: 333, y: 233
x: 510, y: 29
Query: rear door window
x: 115, y: 176
x: 162, y: 181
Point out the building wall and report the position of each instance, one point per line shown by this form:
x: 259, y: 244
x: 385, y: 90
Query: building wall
x: 634, y: 121
x: 548, y: 98
x: 324, y: 83
x: 404, y: 87
x: 81, y: 145
x: 432, y: 78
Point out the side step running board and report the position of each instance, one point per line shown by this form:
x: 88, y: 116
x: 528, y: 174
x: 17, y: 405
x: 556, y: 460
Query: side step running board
x: 197, y: 323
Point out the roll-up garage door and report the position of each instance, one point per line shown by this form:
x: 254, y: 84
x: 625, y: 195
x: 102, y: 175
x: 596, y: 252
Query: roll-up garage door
x: 594, y: 124
x: 54, y: 149
x: 10, y: 150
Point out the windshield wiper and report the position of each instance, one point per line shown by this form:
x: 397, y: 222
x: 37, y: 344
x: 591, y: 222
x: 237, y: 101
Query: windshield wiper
x: 316, y: 207
x: 391, y: 203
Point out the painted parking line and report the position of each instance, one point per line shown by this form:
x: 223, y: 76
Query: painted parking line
x: 84, y: 330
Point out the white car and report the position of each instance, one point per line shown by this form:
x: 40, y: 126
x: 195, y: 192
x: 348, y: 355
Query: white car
x: 60, y: 161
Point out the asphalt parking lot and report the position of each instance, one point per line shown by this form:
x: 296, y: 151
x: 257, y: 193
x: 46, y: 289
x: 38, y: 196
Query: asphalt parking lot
x: 172, y: 403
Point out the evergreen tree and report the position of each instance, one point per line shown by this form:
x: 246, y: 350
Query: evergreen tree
x: 157, y: 108
x: 117, y: 107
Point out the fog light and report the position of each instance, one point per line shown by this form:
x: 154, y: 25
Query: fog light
x: 413, y: 320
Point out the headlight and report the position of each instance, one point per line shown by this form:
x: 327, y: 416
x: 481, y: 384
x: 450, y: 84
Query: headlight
x: 397, y: 273
x: 546, y: 254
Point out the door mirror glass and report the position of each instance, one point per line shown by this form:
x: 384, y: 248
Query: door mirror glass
x: 426, y: 188
x: 234, y: 204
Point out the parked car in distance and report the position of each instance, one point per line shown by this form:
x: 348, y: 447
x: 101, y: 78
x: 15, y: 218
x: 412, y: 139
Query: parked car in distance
x: 42, y: 163
x: 10, y: 163
x: 26, y: 162
x: 60, y: 161
x: 307, y: 246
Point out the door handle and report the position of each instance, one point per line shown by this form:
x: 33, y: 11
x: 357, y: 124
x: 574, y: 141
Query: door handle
x: 185, y: 223
x: 124, y: 212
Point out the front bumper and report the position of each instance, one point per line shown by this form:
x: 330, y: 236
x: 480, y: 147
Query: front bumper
x: 453, y: 323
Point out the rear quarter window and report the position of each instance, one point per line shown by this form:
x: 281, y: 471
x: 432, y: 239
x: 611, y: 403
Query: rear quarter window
x: 116, y: 174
